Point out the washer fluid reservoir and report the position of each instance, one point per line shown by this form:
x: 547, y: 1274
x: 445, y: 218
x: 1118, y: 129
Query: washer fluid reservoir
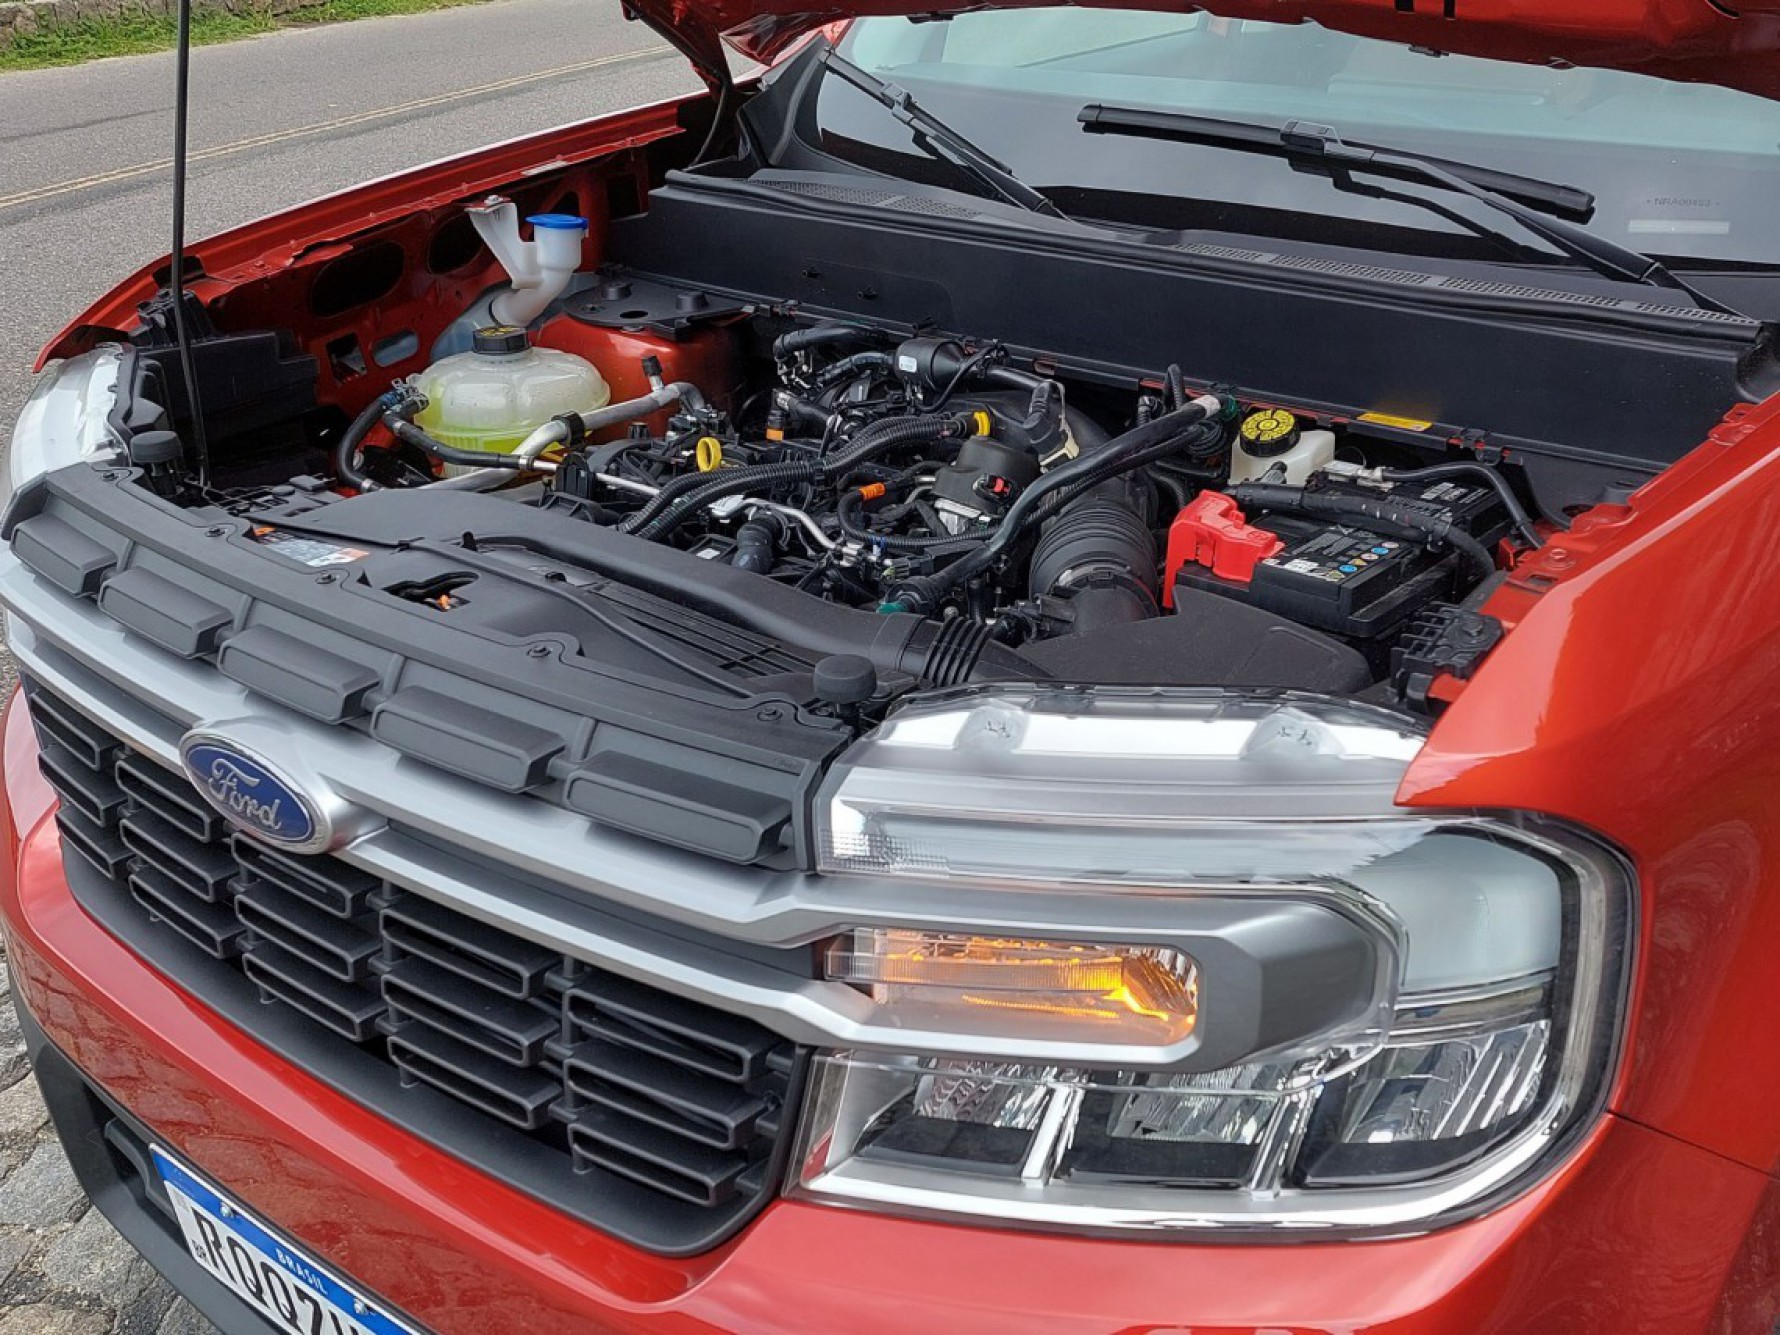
x: 493, y: 396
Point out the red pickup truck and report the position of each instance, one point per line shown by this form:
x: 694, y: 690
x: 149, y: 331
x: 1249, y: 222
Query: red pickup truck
x: 1055, y: 669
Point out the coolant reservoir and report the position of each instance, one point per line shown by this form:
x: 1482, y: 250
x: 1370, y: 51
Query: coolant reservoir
x: 492, y: 397
x: 1270, y: 439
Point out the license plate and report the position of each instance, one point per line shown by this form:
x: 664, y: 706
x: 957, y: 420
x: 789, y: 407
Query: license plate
x: 293, y: 1291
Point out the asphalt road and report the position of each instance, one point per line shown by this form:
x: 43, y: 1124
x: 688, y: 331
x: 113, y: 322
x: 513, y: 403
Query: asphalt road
x: 84, y: 196
x: 84, y: 187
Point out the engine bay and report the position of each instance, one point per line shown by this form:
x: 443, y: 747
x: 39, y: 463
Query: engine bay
x: 1167, y: 534
x: 1143, y: 501
x: 930, y: 475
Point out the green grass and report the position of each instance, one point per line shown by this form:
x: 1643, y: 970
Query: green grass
x: 134, y: 33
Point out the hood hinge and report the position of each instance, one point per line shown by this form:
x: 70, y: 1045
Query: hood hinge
x: 696, y: 41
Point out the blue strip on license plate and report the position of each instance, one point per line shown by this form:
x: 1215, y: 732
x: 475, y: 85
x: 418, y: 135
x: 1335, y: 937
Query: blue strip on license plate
x: 282, y: 1283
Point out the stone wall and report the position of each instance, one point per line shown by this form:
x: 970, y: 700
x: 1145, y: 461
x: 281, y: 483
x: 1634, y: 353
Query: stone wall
x: 18, y: 17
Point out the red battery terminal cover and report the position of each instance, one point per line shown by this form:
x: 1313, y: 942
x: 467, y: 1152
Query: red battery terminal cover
x: 1213, y: 532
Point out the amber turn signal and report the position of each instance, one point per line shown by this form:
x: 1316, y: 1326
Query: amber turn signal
x: 1040, y: 989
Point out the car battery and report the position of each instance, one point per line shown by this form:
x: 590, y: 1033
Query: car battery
x: 1347, y: 579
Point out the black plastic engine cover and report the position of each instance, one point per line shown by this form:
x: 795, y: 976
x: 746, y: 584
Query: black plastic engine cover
x: 1208, y: 640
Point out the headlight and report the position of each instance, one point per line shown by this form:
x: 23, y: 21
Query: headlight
x: 1505, y: 936
x: 67, y: 417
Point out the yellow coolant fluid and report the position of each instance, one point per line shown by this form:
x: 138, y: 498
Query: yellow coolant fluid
x: 493, y: 396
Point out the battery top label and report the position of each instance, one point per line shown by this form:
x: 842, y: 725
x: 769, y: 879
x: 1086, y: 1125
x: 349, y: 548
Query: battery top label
x: 1339, y: 555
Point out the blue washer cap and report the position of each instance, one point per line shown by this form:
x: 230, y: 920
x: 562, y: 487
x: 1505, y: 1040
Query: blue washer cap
x: 562, y: 222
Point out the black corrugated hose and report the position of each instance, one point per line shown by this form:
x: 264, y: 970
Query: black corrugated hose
x: 1141, y: 445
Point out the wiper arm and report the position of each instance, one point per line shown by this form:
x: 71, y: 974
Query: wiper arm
x: 939, y: 139
x: 1532, y: 203
x: 1567, y: 201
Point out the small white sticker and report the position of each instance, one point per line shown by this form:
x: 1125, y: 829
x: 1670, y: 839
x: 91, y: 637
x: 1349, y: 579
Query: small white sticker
x: 1301, y: 566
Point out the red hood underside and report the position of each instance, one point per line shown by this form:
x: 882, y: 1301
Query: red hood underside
x: 1705, y: 41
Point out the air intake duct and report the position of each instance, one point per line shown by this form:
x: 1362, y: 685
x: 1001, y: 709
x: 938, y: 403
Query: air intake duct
x: 1100, y: 555
x: 1099, y: 551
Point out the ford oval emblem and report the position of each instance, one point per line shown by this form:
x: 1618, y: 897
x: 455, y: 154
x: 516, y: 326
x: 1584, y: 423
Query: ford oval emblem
x: 253, y: 796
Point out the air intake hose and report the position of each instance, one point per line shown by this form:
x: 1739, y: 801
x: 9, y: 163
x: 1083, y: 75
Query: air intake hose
x: 1100, y: 554
x: 1099, y: 551
x: 1082, y: 477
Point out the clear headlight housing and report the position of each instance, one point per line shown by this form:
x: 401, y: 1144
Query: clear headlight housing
x: 1421, y: 1093
x: 66, y: 418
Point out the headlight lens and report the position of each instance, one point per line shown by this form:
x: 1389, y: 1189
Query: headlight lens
x: 1117, y: 787
x: 67, y: 417
x: 1497, y: 1044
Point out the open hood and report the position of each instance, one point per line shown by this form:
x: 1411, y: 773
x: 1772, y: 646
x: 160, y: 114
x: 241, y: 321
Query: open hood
x: 1704, y: 41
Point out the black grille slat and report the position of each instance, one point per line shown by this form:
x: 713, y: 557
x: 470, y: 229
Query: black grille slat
x: 73, y: 731
x: 522, y: 1098
x: 460, y: 945
x: 169, y: 797
x: 347, y: 1010
x: 98, y: 845
x: 94, y: 795
x: 686, y: 1033
x: 513, y: 1030
x: 712, y: 1112
x: 656, y: 1158
x: 203, y: 869
x: 336, y: 948
x: 210, y: 927
x: 332, y: 887
x: 617, y: 1097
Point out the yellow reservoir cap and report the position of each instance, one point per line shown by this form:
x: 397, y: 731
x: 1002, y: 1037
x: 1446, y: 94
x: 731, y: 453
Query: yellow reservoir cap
x: 1012, y: 987
x: 1269, y: 426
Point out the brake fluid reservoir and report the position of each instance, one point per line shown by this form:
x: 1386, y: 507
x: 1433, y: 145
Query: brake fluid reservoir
x: 1270, y: 439
x: 493, y: 396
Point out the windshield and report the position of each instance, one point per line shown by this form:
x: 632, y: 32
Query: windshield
x: 1690, y: 172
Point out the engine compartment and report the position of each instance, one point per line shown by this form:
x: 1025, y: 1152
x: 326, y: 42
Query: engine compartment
x: 932, y: 475
x: 1166, y: 534
x: 858, y: 440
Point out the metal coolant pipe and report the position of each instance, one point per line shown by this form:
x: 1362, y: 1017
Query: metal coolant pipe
x: 555, y: 432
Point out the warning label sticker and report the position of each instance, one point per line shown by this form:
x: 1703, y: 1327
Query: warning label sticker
x: 1393, y: 419
x: 306, y: 550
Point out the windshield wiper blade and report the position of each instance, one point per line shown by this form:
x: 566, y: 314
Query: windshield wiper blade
x: 1532, y: 203
x: 941, y: 140
x: 1567, y: 201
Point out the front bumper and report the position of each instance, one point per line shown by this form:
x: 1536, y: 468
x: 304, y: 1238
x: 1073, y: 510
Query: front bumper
x: 1637, y: 1232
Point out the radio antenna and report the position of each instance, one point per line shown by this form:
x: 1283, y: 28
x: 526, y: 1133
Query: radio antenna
x: 176, y: 261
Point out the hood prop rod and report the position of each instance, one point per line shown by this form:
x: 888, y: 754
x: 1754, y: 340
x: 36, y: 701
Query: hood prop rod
x: 176, y: 260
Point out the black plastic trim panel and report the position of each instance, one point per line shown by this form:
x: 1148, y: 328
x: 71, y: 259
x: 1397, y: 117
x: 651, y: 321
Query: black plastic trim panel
x: 516, y: 690
x: 1301, y: 330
